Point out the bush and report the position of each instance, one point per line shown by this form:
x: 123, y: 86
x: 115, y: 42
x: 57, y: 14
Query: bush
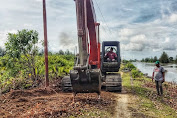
x: 125, y: 61
x: 135, y: 73
x: 130, y: 66
x: 59, y: 66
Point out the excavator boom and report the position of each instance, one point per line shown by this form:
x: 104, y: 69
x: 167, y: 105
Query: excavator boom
x: 86, y: 75
x: 88, y: 39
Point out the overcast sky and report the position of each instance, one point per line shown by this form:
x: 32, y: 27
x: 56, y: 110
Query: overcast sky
x: 144, y: 28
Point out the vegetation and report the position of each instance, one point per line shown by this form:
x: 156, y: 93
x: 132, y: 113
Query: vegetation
x: 147, y: 103
x: 130, y: 66
x: 150, y: 60
x: 23, y: 66
x: 176, y: 59
x: 125, y: 61
x: 2, y: 52
x: 164, y: 58
x: 21, y: 49
x: 134, y: 71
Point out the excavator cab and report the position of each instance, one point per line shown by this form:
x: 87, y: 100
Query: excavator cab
x: 108, y: 65
x: 111, y: 79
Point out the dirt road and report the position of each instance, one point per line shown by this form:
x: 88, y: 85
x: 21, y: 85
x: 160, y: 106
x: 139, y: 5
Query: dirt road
x: 123, y: 101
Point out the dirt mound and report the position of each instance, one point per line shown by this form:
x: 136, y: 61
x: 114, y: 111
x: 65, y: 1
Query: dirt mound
x: 54, y: 113
x: 56, y: 84
x: 22, y: 100
x: 15, y: 94
x: 19, y: 93
x: 41, y: 92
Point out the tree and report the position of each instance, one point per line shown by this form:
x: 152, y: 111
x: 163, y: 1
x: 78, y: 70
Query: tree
x: 61, y: 52
x: 21, y: 47
x: 147, y: 59
x: 176, y: 59
x: 171, y: 59
x: 164, y: 58
x: 142, y: 60
x: 67, y: 52
x: 2, y: 52
x: 155, y: 59
x: 41, y: 52
x: 151, y: 59
x: 50, y: 53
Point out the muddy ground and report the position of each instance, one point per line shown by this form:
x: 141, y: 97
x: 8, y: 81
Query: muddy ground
x: 41, y: 103
x: 51, y: 102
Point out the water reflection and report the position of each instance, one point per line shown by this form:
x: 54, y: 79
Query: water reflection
x: 170, y: 75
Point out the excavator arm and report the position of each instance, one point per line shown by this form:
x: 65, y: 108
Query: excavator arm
x: 86, y: 75
x: 88, y: 34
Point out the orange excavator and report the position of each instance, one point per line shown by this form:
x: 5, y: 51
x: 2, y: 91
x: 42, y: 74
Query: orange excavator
x: 92, y: 70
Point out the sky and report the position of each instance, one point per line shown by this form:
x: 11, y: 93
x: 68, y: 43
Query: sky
x: 145, y: 28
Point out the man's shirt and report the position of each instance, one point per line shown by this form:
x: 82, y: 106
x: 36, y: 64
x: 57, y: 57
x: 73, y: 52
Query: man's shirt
x: 158, y: 73
x: 111, y: 55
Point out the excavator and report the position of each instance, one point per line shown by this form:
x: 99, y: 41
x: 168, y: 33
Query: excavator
x: 92, y: 70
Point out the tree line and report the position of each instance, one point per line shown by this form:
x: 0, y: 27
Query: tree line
x: 164, y: 58
x: 22, y: 64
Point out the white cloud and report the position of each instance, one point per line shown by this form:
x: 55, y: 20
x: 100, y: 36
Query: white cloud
x: 173, y: 18
x: 168, y: 44
x: 132, y: 47
x: 139, y: 39
x: 125, y: 32
x: 136, y: 43
x: 38, y: 0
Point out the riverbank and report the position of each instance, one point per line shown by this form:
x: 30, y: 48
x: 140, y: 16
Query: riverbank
x: 146, y: 101
x: 147, y: 69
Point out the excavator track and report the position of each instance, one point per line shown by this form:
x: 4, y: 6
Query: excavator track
x: 66, y: 84
x: 113, y: 82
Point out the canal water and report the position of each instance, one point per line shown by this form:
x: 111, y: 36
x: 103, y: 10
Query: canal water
x: 170, y: 75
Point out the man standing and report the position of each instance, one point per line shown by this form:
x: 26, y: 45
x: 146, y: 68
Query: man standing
x: 159, y: 76
x: 111, y: 56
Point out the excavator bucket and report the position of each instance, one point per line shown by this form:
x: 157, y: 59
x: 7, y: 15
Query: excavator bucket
x: 86, y: 81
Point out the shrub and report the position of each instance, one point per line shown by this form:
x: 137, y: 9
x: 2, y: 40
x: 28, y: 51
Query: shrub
x: 59, y: 66
x: 135, y: 73
x: 125, y: 61
x: 130, y: 66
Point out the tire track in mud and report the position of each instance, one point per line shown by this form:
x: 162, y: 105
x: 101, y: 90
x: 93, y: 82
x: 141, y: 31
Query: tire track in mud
x: 122, y: 99
x: 122, y: 110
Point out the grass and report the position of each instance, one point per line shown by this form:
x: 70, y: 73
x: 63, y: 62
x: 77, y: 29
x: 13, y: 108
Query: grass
x: 147, y: 102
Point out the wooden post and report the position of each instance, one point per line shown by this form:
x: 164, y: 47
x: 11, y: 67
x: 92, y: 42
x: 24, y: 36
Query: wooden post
x: 45, y: 44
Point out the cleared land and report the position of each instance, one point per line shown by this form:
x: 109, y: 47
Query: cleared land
x: 138, y: 99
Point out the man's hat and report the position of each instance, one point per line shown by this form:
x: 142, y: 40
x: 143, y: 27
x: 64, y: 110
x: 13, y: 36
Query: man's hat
x: 157, y: 62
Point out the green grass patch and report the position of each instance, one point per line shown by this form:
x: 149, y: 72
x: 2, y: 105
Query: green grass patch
x: 147, y: 103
